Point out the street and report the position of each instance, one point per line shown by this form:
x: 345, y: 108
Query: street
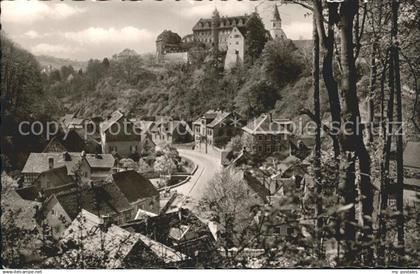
x: 208, y: 166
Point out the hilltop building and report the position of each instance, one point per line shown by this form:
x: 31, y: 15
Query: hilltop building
x: 218, y: 33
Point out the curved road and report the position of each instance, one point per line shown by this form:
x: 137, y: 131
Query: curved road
x: 208, y: 166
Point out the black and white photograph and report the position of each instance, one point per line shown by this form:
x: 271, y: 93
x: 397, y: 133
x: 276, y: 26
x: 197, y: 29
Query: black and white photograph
x: 210, y: 135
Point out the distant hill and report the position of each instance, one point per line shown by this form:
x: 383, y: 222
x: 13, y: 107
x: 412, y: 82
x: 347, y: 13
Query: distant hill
x: 55, y: 62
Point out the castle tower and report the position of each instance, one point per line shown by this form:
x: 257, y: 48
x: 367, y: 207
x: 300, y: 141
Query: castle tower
x: 275, y: 28
x: 215, y: 23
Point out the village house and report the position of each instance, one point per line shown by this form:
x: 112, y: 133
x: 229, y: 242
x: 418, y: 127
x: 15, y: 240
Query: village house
x: 90, y: 166
x: 53, y: 181
x: 119, y: 136
x: 103, y: 198
x: 182, y: 230
x: 75, y: 134
x: 139, y: 191
x: 264, y: 136
x: 223, y: 127
x: 173, y: 132
x: 215, y: 128
x: 123, y: 249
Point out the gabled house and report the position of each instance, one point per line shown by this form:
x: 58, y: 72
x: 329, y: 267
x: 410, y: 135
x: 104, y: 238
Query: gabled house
x: 103, y: 198
x: 180, y: 229
x: 91, y: 166
x: 118, y: 247
x: 139, y: 191
x: 53, y: 181
x: 265, y: 136
x: 223, y: 127
x: 173, y: 132
x: 236, y: 47
x: 120, y: 136
x: 200, y: 126
x: 216, y: 128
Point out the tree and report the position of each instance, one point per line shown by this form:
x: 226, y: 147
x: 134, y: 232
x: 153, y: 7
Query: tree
x: 256, y: 37
x: 228, y: 200
x: 256, y: 97
x: 165, y: 165
x: 282, y: 62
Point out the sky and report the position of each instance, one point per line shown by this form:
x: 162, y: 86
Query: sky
x: 82, y: 30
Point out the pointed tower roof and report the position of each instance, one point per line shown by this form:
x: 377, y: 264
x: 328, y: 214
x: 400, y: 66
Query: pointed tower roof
x: 276, y: 14
x: 216, y: 13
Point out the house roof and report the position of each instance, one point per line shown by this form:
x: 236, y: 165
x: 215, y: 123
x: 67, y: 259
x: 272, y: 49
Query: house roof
x: 116, y: 240
x: 105, y: 198
x: 265, y: 125
x: 208, y: 115
x: 28, y: 193
x: 87, y: 226
x: 224, y: 22
x: 57, y: 176
x: 412, y: 155
x: 115, y: 117
x: 38, y: 162
x: 165, y: 253
x: 220, y: 117
x: 23, y: 210
x: 134, y: 186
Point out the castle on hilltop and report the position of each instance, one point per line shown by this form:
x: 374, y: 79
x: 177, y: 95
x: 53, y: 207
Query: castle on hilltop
x: 225, y: 34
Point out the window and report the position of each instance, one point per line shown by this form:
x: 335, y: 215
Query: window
x: 267, y: 137
x: 260, y: 148
x: 52, y: 212
x: 237, y: 43
x: 260, y: 137
x: 268, y: 149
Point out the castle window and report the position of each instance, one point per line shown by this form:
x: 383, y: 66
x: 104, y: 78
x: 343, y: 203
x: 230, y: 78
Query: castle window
x: 237, y: 43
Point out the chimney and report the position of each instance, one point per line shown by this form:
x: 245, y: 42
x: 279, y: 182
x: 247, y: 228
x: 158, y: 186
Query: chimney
x: 270, y: 115
x: 83, y: 154
x: 50, y: 162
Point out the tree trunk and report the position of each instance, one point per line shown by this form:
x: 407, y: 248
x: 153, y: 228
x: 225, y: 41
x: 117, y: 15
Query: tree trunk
x: 399, y: 137
x: 317, y: 156
x: 352, y: 133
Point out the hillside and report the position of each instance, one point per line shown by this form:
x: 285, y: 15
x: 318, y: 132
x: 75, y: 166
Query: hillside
x: 135, y: 85
x: 57, y: 63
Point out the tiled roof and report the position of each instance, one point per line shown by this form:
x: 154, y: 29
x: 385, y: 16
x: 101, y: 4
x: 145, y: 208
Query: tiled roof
x: 134, y: 186
x: 412, y: 155
x: 57, y: 176
x: 28, y: 193
x: 38, y: 162
x: 117, y: 241
x: 23, y: 210
x: 165, y: 253
x: 265, y: 125
x: 219, y: 118
x: 115, y: 117
x: 105, y: 198
x: 100, y: 160
x: 225, y: 22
